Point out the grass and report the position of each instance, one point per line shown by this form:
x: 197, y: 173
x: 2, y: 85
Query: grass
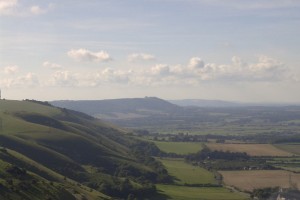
x: 250, y: 149
x: 292, y: 148
x: 26, y: 106
x: 181, y: 148
x: 186, y: 173
x: 197, y: 193
x: 249, y: 180
x: 11, y: 124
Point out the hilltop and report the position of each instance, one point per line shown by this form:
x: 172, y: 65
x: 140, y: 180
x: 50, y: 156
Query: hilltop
x: 71, y: 151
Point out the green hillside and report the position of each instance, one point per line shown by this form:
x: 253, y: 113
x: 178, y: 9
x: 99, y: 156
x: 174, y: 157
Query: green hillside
x: 71, y: 148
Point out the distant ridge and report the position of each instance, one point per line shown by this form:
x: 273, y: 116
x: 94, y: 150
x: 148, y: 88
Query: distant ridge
x: 223, y: 104
x: 205, y: 103
x: 135, y: 106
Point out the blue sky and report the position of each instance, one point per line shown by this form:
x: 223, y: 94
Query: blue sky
x: 236, y: 50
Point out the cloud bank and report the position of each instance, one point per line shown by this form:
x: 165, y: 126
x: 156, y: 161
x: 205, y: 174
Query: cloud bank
x: 195, y: 72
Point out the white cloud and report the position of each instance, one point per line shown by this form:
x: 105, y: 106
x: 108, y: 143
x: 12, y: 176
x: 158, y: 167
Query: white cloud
x: 136, y: 57
x: 37, y: 10
x: 51, y: 65
x: 24, y: 81
x: 266, y: 64
x: 63, y: 79
x: 14, y: 8
x: 194, y: 73
x: 7, y: 6
x: 237, y: 61
x: 11, y: 69
x: 160, y: 69
x: 265, y: 69
x: 110, y: 75
x: 196, y: 63
x: 86, y: 55
x: 30, y: 79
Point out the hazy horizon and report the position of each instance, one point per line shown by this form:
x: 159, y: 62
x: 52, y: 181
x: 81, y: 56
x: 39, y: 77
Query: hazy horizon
x: 238, y: 51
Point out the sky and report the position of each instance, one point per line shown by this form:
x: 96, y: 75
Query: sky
x: 235, y: 50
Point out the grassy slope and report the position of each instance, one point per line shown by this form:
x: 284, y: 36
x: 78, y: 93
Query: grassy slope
x: 54, y: 139
x: 29, y: 186
x: 63, y: 142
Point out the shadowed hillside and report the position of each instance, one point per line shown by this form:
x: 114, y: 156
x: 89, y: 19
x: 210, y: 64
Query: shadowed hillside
x: 59, y: 144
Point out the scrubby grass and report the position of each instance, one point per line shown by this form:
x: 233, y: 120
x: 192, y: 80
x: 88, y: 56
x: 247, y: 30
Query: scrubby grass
x: 250, y: 149
x: 249, y: 180
x: 197, y: 193
x: 181, y: 148
x: 186, y: 173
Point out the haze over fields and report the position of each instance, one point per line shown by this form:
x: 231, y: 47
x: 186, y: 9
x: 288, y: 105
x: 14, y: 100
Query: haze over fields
x: 149, y: 99
x: 198, y: 49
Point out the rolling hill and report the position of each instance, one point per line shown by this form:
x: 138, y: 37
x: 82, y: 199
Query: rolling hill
x: 121, y: 108
x: 73, y: 152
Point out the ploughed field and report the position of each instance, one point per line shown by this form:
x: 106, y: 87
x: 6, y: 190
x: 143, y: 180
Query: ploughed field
x: 253, y: 179
x: 251, y: 149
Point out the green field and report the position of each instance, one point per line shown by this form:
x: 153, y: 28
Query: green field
x: 186, y: 173
x: 198, y: 193
x: 289, y: 164
x: 292, y: 148
x: 181, y: 148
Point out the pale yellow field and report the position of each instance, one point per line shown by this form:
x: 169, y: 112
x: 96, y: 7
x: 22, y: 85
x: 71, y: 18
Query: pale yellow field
x: 249, y: 180
x: 250, y: 149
